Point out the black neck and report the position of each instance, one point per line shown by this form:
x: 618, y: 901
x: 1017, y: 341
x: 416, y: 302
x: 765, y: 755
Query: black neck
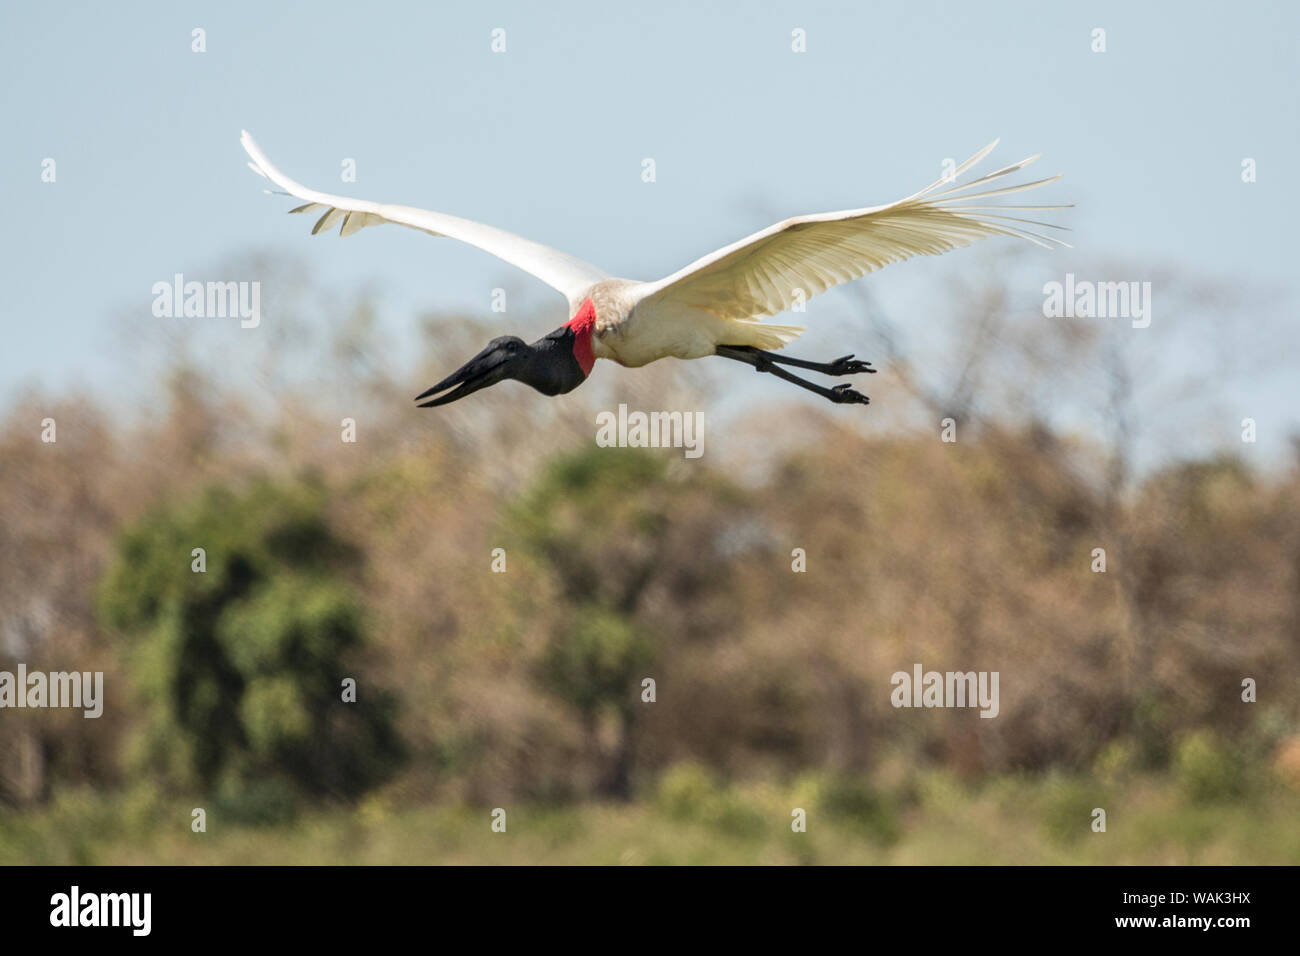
x: 553, y: 369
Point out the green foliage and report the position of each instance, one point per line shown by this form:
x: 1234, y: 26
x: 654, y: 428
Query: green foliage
x: 854, y: 803
x: 687, y: 791
x: 592, y: 517
x: 690, y: 793
x: 1117, y: 760
x: 1207, y: 771
x: 1153, y: 825
x: 597, y: 662
x: 267, y: 802
x: 595, y: 521
x: 239, y: 667
x: 525, y: 687
x: 1068, y: 805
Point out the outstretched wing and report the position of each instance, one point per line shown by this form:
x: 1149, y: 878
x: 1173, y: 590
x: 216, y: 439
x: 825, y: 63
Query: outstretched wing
x: 794, y: 260
x: 569, y: 275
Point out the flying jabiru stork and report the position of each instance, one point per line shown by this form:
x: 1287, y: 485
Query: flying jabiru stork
x: 715, y: 304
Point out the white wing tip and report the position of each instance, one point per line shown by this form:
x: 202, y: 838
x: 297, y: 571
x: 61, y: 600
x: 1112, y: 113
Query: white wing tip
x: 260, y: 164
x: 250, y: 147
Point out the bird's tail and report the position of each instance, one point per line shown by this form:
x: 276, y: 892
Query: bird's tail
x: 761, y: 335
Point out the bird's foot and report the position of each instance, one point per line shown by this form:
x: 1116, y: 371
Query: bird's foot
x: 845, y: 395
x: 848, y: 365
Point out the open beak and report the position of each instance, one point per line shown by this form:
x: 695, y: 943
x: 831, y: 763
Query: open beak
x: 486, y: 368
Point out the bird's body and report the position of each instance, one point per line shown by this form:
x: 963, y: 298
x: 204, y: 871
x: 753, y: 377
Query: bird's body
x: 633, y: 332
x: 714, y: 306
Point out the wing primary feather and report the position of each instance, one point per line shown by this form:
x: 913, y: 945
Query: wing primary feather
x: 1004, y: 171
x: 956, y: 172
x: 1009, y: 205
x: 355, y: 222
x: 949, y: 193
x: 1039, y: 240
x: 331, y: 216
x: 1031, y: 222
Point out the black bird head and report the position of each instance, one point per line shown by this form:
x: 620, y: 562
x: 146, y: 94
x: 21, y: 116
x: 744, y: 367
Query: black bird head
x: 554, y: 364
x: 551, y: 365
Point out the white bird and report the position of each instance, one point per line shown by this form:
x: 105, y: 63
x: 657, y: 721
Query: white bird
x: 714, y: 306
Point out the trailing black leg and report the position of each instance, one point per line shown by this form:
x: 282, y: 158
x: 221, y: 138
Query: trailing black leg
x: 844, y: 365
x: 767, y: 362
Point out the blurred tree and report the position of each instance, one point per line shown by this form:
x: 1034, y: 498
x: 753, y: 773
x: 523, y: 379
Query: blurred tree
x: 240, y: 666
x: 596, y: 518
x: 596, y: 665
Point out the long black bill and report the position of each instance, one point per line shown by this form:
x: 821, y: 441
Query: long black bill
x: 486, y: 368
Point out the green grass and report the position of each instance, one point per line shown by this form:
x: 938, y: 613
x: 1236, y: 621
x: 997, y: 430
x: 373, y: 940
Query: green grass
x: 693, y: 819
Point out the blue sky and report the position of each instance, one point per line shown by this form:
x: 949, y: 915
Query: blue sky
x: 547, y: 139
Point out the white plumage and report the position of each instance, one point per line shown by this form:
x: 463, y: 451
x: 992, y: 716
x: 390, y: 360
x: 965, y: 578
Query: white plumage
x: 721, y: 298
x: 566, y: 273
